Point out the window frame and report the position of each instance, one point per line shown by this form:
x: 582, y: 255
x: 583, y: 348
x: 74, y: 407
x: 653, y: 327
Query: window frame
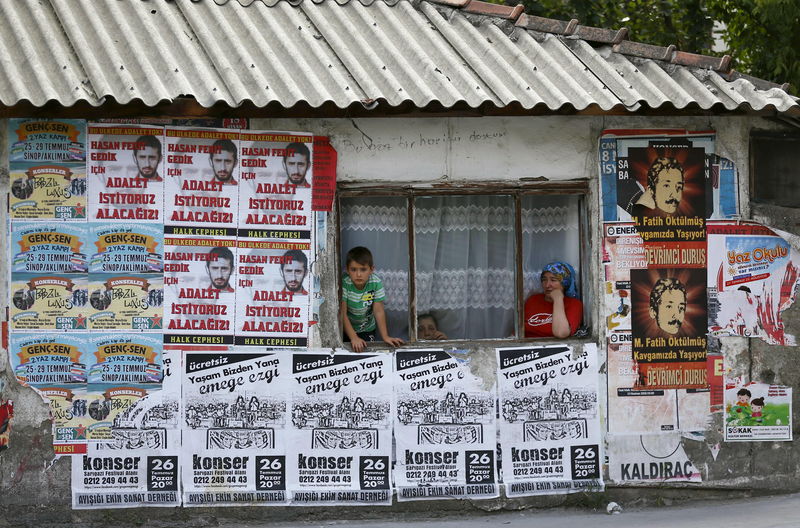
x: 410, y: 192
x: 755, y: 154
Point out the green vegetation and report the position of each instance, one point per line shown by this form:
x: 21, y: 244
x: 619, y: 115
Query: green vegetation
x: 763, y: 36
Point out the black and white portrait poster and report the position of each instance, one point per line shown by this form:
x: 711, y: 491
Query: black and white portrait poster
x: 340, y: 437
x: 138, y: 464
x: 445, y: 428
x: 234, y: 427
x: 549, y: 421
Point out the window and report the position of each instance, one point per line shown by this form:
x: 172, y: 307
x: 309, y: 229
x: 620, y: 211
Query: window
x: 775, y: 158
x: 462, y: 248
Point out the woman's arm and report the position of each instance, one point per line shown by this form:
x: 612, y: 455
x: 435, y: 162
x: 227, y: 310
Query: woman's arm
x: 561, y: 327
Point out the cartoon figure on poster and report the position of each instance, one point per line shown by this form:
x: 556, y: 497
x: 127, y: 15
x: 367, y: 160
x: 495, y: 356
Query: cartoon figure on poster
x: 669, y: 326
x: 757, y: 412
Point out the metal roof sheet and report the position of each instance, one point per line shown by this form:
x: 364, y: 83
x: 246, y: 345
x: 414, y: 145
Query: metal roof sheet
x: 349, y: 52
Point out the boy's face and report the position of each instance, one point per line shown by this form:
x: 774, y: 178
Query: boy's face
x: 359, y: 273
x: 743, y: 399
x: 426, y: 328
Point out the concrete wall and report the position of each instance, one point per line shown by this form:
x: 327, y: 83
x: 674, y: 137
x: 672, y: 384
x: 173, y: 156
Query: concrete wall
x: 429, y: 151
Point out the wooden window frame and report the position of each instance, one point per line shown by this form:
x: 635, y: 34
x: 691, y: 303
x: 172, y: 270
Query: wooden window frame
x: 578, y: 188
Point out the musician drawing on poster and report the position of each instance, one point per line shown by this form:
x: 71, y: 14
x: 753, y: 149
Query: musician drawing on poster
x: 669, y: 327
x: 555, y: 414
x: 126, y: 301
x: 48, y: 302
x: 126, y: 173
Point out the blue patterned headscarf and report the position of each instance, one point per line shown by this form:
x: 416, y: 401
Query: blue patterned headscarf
x: 566, y: 275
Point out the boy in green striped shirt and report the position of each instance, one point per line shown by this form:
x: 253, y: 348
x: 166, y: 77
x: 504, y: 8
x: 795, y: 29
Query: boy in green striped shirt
x: 362, y: 310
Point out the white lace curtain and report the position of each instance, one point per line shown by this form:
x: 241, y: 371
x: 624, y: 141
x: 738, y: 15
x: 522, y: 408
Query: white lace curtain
x: 464, y: 255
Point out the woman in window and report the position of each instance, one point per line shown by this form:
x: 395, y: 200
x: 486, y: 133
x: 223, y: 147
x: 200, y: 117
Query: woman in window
x: 557, y: 312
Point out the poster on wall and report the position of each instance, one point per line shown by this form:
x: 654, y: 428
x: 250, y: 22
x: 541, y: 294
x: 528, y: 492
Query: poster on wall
x: 199, y: 285
x: 273, y: 300
x: 668, y: 327
x: 549, y: 420
x: 126, y: 248
x: 47, y: 169
x: 39, y: 248
x: 125, y: 302
x: 445, y: 428
x: 340, y: 437
x: 753, y: 276
x: 48, y: 302
x: 138, y: 465
x: 202, y: 181
x: 126, y: 173
x: 235, y: 428
x: 757, y: 412
x: 275, y: 189
x: 49, y: 360
x: 649, y: 458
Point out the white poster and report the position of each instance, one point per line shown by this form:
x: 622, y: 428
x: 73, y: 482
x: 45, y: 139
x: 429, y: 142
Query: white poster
x: 445, y: 428
x: 138, y: 465
x: 234, y: 427
x: 340, y: 439
x: 549, y: 420
x: 649, y: 458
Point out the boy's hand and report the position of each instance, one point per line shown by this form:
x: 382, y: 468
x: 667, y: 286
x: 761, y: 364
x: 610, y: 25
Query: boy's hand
x: 358, y: 344
x: 394, y: 341
x: 438, y: 336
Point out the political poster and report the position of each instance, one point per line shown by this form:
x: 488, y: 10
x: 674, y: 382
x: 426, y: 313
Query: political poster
x: 757, y: 412
x: 199, y: 285
x: 753, y: 276
x: 50, y: 360
x: 126, y: 173
x: 668, y: 327
x: 202, y: 182
x: 275, y: 189
x: 235, y: 425
x: 42, y: 249
x: 340, y: 437
x: 48, y: 302
x: 273, y: 300
x: 126, y: 248
x: 138, y: 465
x: 549, y: 420
x: 47, y: 169
x: 445, y: 428
x: 656, y: 458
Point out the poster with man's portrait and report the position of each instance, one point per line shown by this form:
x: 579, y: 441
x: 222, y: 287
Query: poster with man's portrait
x: 668, y: 324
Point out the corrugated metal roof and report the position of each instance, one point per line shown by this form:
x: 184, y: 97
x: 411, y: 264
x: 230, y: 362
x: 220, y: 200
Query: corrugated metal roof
x: 349, y: 52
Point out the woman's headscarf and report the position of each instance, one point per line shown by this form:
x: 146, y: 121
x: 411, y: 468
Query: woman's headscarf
x: 566, y: 275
